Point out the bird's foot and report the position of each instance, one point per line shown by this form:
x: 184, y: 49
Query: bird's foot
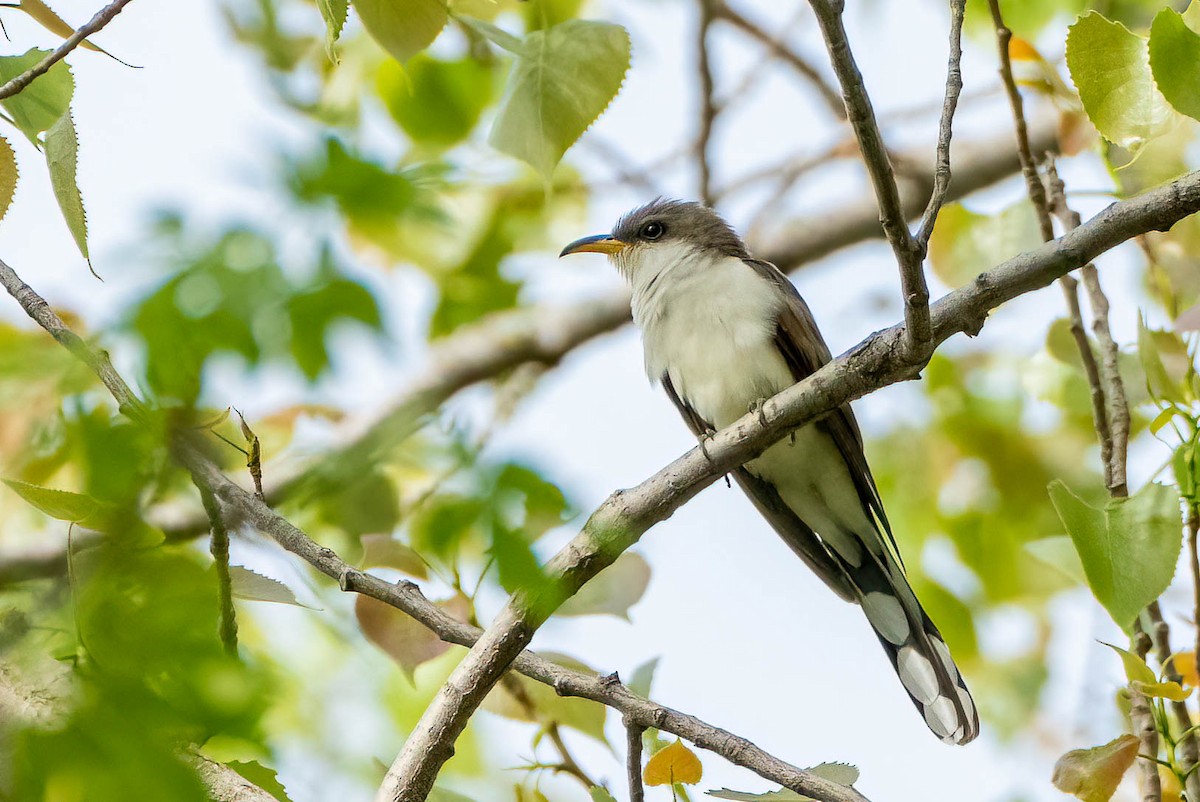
x: 758, y: 407
x: 705, y: 437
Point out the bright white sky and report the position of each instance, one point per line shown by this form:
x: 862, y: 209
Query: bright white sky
x: 748, y: 639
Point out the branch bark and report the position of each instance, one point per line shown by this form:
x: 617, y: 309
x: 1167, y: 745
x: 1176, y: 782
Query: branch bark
x: 102, y: 18
x: 908, y: 252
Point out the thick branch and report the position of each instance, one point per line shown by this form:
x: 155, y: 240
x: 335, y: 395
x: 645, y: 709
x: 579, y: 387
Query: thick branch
x: 102, y: 18
x: 618, y: 523
x: 909, y: 254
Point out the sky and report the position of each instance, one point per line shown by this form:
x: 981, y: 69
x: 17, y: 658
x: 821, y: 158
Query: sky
x: 747, y: 638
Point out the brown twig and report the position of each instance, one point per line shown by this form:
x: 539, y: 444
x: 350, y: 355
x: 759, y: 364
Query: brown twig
x: 102, y: 18
x: 633, y: 760
x: 708, y: 106
x: 567, y: 763
x: 954, y: 85
x: 1142, y: 718
x: 777, y: 47
x: 1188, y: 751
x: 909, y: 254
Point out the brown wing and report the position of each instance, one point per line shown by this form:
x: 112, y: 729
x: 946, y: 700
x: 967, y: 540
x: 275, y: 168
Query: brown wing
x: 797, y: 534
x: 800, y: 342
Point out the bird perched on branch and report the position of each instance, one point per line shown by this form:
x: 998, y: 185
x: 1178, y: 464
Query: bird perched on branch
x: 723, y: 332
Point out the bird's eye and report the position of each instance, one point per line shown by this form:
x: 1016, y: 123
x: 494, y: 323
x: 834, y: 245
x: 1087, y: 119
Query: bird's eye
x: 653, y: 230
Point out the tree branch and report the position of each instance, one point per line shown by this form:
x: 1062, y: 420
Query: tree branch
x: 102, y: 18
x: 708, y: 106
x: 618, y: 523
x: 909, y: 254
x: 220, y: 552
x: 954, y: 85
x: 633, y: 760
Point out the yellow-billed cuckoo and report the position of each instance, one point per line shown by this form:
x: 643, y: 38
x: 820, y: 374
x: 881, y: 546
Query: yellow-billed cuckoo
x: 724, y: 331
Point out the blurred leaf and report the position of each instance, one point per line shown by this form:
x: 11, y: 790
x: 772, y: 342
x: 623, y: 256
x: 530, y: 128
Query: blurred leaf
x: 1128, y: 549
x: 675, y: 764
x: 1136, y: 669
x: 334, y: 13
x: 1165, y: 361
x: 528, y: 501
x: 443, y: 522
x: 436, y: 102
x: 1185, y: 664
x: 613, y: 591
x: 564, y: 78
x: 537, y: 703
x: 476, y: 287
x: 642, y: 677
x: 782, y: 795
x: 384, y: 551
x: 1175, y: 61
x: 258, y: 774
x: 314, y: 311
x: 1059, y: 551
x: 42, y: 103
x: 1094, y: 774
x: 1111, y: 68
x: 439, y: 794
x: 57, y: 504
x: 401, y: 636
x: 402, y: 27
x: 600, y: 794
x: 62, y: 153
x: 548, y: 13
x: 253, y: 586
x: 964, y: 244
x: 8, y: 176
x: 516, y: 564
x: 1027, y: 18
x: 368, y: 503
x: 1162, y: 690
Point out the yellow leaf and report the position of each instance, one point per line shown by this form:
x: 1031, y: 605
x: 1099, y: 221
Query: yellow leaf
x: 1163, y: 690
x: 8, y: 176
x: 1094, y: 774
x: 674, y: 764
x: 46, y: 17
x: 1185, y: 664
x: 1022, y: 50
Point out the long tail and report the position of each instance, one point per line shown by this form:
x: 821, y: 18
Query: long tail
x: 920, y: 656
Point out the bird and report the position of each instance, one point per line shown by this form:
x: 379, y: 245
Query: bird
x: 722, y: 332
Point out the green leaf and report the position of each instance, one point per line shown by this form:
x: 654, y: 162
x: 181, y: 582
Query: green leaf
x: 1111, y: 68
x: 840, y: 773
x: 782, y: 795
x: 402, y: 27
x: 436, y: 102
x: 1164, y: 417
x: 494, y: 34
x: 334, y: 13
x: 614, y: 591
x: 1165, y: 361
x: 642, y: 677
x: 1136, y: 669
x: 42, y: 103
x: 62, y: 152
x: 8, y: 176
x: 564, y: 78
x: 1059, y: 551
x: 964, y: 244
x: 58, y: 504
x: 600, y: 794
x: 1175, y: 62
x: 1128, y: 549
x: 258, y: 774
x: 1094, y: 774
x: 252, y: 586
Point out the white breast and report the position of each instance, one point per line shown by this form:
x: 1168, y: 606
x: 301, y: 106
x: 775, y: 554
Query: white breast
x: 710, y: 325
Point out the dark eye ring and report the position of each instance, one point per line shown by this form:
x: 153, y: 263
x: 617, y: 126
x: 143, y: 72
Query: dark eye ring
x: 653, y: 230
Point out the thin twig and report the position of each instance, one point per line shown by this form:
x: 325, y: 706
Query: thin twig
x: 1070, y: 289
x: 708, y: 105
x: 909, y: 255
x: 102, y: 18
x: 1142, y: 718
x: 219, y: 547
x: 633, y: 760
x: 567, y: 763
x: 954, y: 85
x: 776, y: 46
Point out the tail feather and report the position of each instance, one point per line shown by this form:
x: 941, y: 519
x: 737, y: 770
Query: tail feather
x: 916, y: 648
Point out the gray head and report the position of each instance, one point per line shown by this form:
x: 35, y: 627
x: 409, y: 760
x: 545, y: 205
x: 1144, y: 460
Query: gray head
x: 660, y: 227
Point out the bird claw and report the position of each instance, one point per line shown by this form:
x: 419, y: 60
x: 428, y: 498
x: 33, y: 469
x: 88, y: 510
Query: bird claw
x: 705, y: 437
x: 759, y: 408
